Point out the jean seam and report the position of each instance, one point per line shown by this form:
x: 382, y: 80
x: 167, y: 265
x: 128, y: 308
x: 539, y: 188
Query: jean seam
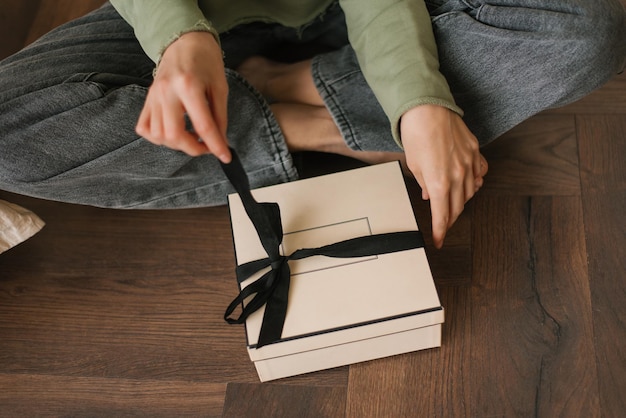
x: 194, y: 190
x: 326, y: 92
x: 469, y: 4
x: 479, y: 11
x: 445, y: 16
x: 271, y: 124
x: 84, y: 164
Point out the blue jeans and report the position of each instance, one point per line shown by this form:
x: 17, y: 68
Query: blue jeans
x: 70, y: 101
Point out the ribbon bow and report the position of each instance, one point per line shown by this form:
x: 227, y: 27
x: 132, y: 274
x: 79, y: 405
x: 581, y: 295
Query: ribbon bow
x: 272, y: 289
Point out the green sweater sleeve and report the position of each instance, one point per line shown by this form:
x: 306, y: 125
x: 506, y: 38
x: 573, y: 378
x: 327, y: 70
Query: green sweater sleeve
x: 395, y: 46
x: 158, y: 23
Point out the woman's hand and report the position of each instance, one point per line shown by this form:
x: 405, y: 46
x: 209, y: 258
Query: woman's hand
x: 190, y: 80
x: 443, y: 156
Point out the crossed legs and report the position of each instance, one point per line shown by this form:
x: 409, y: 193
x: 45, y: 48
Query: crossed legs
x: 306, y: 123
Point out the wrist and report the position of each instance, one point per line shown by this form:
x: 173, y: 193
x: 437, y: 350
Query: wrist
x: 425, y: 112
x: 202, y: 33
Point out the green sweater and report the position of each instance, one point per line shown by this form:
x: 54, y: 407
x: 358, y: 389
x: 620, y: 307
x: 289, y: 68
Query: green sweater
x: 393, y: 39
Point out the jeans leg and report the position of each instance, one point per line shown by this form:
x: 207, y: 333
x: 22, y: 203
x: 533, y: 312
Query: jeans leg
x: 506, y: 60
x: 68, y: 107
x: 356, y: 111
x: 99, y: 44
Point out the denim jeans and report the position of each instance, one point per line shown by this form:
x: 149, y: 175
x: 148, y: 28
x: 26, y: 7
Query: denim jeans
x: 69, y: 102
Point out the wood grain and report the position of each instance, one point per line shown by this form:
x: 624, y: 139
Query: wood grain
x: 26, y: 395
x: 52, y: 13
x: 124, y: 279
x: 426, y: 383
x: 280, y: 401
x: 603, y: 178
x: 119, y: 313
x: 538, y: 157
x: 16, y: 17
x: 602, y: 101
x: 518, y: 342
x: 531, y: 348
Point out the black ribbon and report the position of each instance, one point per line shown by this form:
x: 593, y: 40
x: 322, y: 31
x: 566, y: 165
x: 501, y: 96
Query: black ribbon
x: 272, y: 289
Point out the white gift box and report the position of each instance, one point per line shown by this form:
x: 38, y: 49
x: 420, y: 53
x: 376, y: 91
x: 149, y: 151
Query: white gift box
x: 342, y: 310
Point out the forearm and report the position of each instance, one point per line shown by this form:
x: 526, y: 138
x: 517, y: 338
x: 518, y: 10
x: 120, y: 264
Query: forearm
x: 396, y: 49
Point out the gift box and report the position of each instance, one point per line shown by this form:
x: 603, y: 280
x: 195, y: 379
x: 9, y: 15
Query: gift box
x: 339, y: 309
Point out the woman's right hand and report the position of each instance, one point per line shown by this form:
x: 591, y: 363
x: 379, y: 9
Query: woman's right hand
x: 190, y: 80
x: 444, y: 157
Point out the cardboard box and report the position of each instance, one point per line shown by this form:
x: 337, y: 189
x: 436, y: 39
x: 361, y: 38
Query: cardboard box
x: 342, y: 310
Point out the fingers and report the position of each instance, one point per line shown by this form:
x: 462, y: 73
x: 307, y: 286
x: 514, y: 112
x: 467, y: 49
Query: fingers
x: 449, y: 191
x: 219, y: 99
x: 482, y: 171
x: 206, y: 126
x: 186, y: 85
x: 470, y: 186
x: 420, y: 180
x: 440, y: 210
x: 444, y: 156
x: 447, y: 202
x: 484, y: 166
x: 163, y: 124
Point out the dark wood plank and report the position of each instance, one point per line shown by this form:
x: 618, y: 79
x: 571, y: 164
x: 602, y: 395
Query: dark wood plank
x: 34, y: 395
x: 122, y: 274
x: 603, y: 177
x: 16, y: 17
x: 280, y: 401
x: 426, y: 383
x: 602, y: 141
x: 452, y: 264
x: 538, y: 157
x: 605, y: 100
x: 52, y: 13
x: 95, y: 283
x: 110, y: 313
x: 126, y: 294
x: 518, y: 342
x: 531, y: 347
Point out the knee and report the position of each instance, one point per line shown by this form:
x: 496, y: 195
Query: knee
x: 601, y: 30
x: 589, y: 48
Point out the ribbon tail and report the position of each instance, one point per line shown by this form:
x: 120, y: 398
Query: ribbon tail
x: 276, y: 309
x: 264, y: 216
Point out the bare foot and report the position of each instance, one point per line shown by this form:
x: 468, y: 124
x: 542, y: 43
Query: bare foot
x: 280, y: 82
x: 257, y: 71
x: 312, y: 128
x: 300, y: 111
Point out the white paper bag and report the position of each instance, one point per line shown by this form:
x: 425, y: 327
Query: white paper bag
x: 16, y: 225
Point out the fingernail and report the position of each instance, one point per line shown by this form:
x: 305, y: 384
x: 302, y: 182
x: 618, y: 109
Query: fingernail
x: 225, y: 158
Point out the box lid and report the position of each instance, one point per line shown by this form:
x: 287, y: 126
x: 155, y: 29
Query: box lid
x: 359, y: 296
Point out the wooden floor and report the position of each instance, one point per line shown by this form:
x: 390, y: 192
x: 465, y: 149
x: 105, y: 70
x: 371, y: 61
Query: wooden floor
x: 119, y: 313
